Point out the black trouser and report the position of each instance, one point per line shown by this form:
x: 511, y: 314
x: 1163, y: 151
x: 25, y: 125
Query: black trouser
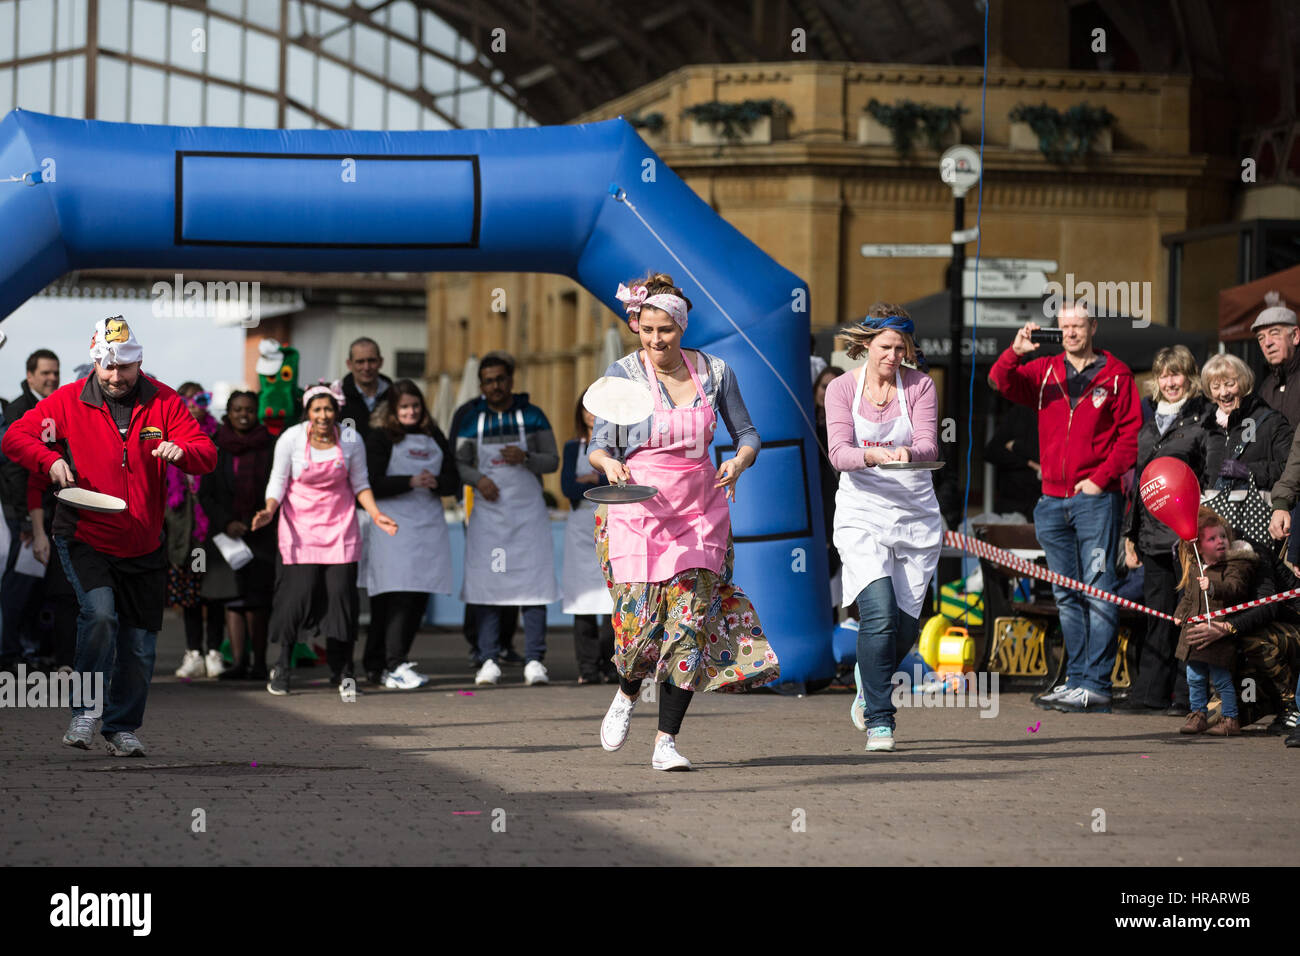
x: 1161, y: 678
x: 216, y: 611
x: 509, y: 624
x: 672, y: 706
x: 394, y: 618
x: 593, y: 645
x: 332, y: 588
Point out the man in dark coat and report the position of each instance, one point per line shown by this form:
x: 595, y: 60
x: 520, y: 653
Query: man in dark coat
x: 363, y: 386
x: 1278, y: 336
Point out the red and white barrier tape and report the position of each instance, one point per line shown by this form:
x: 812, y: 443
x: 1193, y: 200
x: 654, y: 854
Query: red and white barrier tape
x: 1018, y: 564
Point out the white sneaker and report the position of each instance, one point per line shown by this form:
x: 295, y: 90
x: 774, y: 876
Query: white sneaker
x: 880, y: 738
x: 858, y: 709
x: 401, y: 678
x: 214, y: 664
x: 409, y: 667
x: 535, y: 673
x: 193, y: 665
x: 666, y: 756
x: 489, y: 673
x: 613, y: 729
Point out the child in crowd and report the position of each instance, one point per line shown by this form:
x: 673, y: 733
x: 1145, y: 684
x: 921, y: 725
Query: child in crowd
x: 1228, y: 579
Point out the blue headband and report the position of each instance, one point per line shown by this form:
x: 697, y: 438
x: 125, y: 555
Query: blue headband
x: 898, y: 324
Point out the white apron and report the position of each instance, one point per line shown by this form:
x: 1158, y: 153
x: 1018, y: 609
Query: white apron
x: 508, y: 558
x: 418, y: 557
x: 585, y: 591
x: 887, y: 523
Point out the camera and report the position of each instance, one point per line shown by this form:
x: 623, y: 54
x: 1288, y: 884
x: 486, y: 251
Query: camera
x: 1046, y: 336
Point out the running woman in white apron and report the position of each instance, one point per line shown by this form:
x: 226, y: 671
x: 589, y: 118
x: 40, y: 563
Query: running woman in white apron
x: 508, y: 551
x: 887, y: 524
x: 586, y: 596
x: 411, y: 467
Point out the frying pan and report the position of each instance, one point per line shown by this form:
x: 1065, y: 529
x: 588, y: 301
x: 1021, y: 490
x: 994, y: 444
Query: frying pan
x: 621, y: 494
x: 90, y: 500
x: 911, y: 465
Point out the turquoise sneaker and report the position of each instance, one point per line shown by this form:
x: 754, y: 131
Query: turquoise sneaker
x: 880, y: 738
x: 858, y: 709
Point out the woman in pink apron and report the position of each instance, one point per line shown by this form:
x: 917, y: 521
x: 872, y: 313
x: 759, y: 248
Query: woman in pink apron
x: 887, y: 524
x: 678, y: 619
x: 320, y: 477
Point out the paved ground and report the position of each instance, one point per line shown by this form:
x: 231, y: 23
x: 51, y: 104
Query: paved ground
x: 419, y: 777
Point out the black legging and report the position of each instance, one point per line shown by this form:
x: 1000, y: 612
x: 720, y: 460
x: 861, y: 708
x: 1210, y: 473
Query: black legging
x: 593, y: 645
x: 672, y: 706
x: 394, y: 618
x: 194, y: 625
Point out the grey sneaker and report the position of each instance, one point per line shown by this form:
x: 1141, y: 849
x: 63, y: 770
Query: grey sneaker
x: 125, y: 744
x: 80, y: 732
x: 1045, y: 701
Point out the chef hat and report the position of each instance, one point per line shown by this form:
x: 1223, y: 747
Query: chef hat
x: 113, y: 343
x: 1276, y: 314
x: 270, y: 356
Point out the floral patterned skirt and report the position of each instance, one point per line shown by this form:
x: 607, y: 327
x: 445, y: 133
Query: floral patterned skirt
x: 183, y: 586
x: 697, y: 630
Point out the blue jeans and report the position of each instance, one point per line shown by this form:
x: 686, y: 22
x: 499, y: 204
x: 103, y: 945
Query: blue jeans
x: 107, y: 647
x: 1081, y: 538
x: 1198, y: 687
x: 489, y: 632
x: 885, y: 635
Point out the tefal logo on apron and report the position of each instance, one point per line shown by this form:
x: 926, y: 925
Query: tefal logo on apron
x: 878, y: 444
x: 420, y: 453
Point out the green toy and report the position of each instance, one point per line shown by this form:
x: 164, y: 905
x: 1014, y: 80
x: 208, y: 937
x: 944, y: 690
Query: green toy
x: 279, y: 396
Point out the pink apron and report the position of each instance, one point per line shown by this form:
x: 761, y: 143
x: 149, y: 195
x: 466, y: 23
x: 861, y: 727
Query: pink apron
x: 685, y: 525
x: 319, y: 520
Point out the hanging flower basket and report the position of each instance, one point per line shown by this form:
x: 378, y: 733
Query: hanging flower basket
x: 1062, y: 136
x: 907, y: 124
x: 752, y: 122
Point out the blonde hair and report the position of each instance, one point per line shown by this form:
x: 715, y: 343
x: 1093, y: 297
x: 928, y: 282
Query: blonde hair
x: 1227, y: 366
x: 1179, y: 360
x: 859, y: 339
x: 1205, y: 518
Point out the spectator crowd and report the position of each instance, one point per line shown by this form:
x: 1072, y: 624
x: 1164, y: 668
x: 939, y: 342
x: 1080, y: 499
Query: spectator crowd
x: 271, y: 545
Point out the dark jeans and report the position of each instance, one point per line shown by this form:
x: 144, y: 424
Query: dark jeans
x: 593, y: 645
x: 1081, y: 538
x: 672, y: 705
x: 885, y: 635
x: 394, y: 618
x: 123, y: 654
x: 17, y: 595
x: 509, y: 624
x: 1161, y: 678
x: 489, y: 631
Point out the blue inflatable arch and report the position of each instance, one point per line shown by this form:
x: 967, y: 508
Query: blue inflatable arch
x: 519, y: 200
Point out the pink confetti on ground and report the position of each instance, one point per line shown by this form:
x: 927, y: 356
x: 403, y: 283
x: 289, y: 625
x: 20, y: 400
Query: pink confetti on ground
x: 465, y: 693
x: 1143, y: 757
x: 253, y: 764
x: 466, y: 813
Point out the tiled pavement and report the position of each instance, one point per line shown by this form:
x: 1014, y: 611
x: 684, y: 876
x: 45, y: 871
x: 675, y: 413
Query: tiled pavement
x: 421, y: 777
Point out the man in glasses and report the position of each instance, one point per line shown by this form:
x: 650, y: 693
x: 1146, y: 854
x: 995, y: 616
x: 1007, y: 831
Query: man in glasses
x: 363, y: 386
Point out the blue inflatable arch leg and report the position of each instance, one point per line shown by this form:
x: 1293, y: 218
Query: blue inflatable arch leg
x: 119, y: 195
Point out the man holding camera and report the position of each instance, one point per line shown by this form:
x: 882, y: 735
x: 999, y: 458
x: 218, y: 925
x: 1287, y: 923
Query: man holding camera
x: 1088, y: 421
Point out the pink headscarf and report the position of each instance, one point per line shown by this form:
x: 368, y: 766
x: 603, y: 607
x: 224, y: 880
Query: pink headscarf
x: 639, y: 296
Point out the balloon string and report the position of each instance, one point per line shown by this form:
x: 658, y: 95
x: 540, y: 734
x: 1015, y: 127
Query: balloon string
x: 1200, y: 564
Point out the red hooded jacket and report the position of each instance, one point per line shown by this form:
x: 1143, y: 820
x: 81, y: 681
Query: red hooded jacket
x: 1097, y: 439
x: 104, y: 461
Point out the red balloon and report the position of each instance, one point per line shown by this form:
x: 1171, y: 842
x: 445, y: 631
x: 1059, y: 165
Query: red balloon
x: 1170, y: 491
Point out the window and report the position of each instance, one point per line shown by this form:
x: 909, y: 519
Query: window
x: 409, y: 365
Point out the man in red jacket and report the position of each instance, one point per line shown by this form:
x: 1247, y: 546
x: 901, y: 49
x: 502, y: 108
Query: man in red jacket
x: 118, y: 429
x: 1088, y: 420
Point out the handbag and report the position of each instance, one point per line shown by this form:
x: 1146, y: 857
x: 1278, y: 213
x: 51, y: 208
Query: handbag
x: 1246, y: 513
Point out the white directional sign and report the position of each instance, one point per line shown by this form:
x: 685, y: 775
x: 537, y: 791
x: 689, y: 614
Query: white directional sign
x: 1015, y: 265
x: 909, y: 250
x: 996, y: 284
x: 1004, y: 313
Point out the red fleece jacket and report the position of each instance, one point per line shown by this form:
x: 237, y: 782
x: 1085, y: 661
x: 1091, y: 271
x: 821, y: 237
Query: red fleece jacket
x: 1097, y: 439
x: 104, y: 461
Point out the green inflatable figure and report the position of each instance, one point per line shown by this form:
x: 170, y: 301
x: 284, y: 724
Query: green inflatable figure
x: 279, y: 395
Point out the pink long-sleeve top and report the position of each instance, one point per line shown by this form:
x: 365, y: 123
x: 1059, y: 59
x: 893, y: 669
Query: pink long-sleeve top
x: 922, y: 409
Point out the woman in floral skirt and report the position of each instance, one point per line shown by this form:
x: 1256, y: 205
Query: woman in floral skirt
x: 678, y: 618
